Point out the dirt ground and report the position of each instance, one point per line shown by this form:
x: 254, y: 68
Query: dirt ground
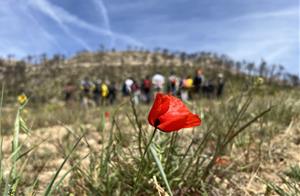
x: 282, y: 152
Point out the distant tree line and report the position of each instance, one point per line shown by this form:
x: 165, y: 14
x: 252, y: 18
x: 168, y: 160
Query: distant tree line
x: 43, y: 74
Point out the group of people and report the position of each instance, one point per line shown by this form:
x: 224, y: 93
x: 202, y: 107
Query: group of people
x: 104, y: 92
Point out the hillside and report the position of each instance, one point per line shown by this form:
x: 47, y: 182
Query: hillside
x: 246, y: 144
x: 43, y: 78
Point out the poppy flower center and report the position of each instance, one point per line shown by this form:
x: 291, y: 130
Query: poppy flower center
x: 156, y: 122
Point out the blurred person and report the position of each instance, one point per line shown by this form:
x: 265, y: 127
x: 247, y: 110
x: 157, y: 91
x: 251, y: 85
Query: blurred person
x: 112, y: 92
x: 173, y: 84
x: 208, y: 89
x: 97, y: 91
x: 146, y: 89
x: 126, y: 89
x: 104, y: 92
x: 135, y: 90
x: 183, y: 91
x: 220, y: 85
x: 186, y: 88
x: 69, y: 90
x: 189, y: 85
x: 198, y: 81
x: 158, y: 82
x: 85, y: 89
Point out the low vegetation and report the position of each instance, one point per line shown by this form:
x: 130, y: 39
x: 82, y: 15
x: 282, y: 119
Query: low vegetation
x: 248, y: 142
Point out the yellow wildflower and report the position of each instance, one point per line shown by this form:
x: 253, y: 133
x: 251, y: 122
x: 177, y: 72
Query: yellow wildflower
x: 22, y: 99
x: 259, y: 81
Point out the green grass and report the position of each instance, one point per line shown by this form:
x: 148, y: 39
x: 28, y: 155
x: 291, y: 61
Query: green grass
x: 100, y: 156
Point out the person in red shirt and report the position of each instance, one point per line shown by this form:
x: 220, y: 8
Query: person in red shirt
x: 146, y: 89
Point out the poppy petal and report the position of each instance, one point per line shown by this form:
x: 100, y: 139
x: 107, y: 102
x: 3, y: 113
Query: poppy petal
x: 176, y: 105
x: 192, y: 120
x: 160, y: 106
x: 173, y: 124
x: 169, y: 113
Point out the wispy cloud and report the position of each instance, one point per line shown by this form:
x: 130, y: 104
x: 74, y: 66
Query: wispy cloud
x: 60, y: 16
x: 22, y: 34
x: 42, y: 30
x: 281, y: 13
x: 103, y: 10
x: 271, y: 35
x: 63, y: 17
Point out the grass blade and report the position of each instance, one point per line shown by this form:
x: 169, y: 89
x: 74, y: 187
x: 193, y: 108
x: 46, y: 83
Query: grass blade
x: 15, y: 146
x: 49, y: 187
x: 160, y: 167
x: 69, y: 171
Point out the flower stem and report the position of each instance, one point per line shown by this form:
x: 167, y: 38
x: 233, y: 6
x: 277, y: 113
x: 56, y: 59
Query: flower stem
x: 143, y: 157
x: 150, y: 141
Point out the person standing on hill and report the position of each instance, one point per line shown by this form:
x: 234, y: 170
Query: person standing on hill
x: 209, y: 89
x: 158, y: 82
x: 173, y: 83
x: 85, y: 89
x: 112, y: 92
x: 183, y: 91
x: 104, y: 93
x: 69, y: 90
x: 186, y: 88
x: 135, y: 90
x: 220, y: 85
x: 146, y: 89
x: 189, y: 85
x: 198, y: 81
x: 126, y: 89
x: 97, y: 91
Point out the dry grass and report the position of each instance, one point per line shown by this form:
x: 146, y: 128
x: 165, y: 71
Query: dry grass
x: 107, y: 159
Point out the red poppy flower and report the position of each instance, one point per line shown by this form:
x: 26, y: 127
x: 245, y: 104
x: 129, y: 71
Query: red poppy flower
x: 168, y: 113
x: 107, y: 114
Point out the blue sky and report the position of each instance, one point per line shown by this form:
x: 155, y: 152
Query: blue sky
x: 241, y: 29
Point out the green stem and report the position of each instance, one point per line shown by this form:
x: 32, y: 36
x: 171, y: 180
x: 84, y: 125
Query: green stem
x: 139, y: 125
x: 150, y: 141
x: 169, y: 152
x: 143, y: 158
x: 15, y: 145
x: 161, y: 169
